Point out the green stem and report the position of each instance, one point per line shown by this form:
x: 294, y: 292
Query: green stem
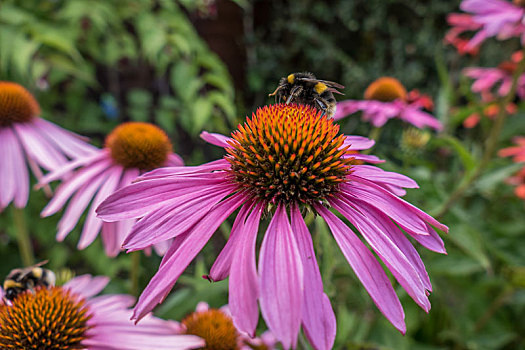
x: 22, y: 235
x: 496, y: 304
x: 375, y: 133
x: 134, y: 273
x: 490, y: 145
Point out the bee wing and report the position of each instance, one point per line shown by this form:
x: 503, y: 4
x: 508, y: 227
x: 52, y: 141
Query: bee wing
x: 332, y: 84
x: 326, y: 82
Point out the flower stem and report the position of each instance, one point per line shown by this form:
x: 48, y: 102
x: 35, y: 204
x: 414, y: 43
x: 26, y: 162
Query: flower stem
x: 22, y: 235
x: 490, y: 145
x: 375, y: 133
x: 134, y: 273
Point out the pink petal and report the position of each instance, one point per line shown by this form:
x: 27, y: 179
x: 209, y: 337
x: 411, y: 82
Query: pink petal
x: 38, y: 148
x: 221, y: 267
x: 176, y: 263
x: 93, y: 224
x: 244, y: 282
x: 78, y: 204
x: 66, y: 189
x: 318, y: 317
x: 177, y: 216
x: 68, y: 142
x: 142, y: 197
x: 375, y: 228
x: 72, y: 165
x: 367, y: 269
x: 216, y: 139
x: 86, y: 285
x: 282, y: 280
x: 386, y: 202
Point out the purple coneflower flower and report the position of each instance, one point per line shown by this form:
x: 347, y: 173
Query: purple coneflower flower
x: 73, y: 317
x: 485, y: 79
x: 216, y: 327
x: 25, y: 137
x: 497, y: 18
x: 130, y: 149
x: 386, y: 98
x: 283, y: 161
x: 461, y: 23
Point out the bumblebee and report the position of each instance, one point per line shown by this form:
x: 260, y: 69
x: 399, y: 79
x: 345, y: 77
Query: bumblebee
x: 27, y: 279
x: 305, y: 88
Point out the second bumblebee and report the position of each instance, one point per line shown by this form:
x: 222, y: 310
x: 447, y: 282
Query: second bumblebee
x: 305, y: 88
x: 27, y: 279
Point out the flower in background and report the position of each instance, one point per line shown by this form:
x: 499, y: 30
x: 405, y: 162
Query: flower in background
x: 461, y: 23
x: 25, y: 137
x: 490, y: 111
x: 73, y: 317
x: 217, y: 329
x: 130, y: 149
x: 518, y: 156
x: 284, y: 161
x: 486, y: 79
x: 387, y: 98
x: 491, y: 18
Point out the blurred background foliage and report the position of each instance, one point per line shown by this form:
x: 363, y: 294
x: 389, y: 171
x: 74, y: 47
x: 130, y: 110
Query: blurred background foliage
x: 205, y: 64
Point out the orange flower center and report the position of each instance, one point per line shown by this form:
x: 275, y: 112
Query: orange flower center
x: 48, y: 319
x: 215, y: 327
x: 385, y: 89
x: 519, y: 3
x: 139, y: 145
x: 289, y: 153
x: 17, y: 105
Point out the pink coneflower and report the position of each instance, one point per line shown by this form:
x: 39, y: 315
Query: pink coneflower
x: 216, y: 327
x: 490, y: 111
x: 462, y: 23
x: 386, y: 98
x: 130, y: 149
x: 518, y: 156
x: 486, y: 79
x: 25, y: 137
x: 285, y: 160
x: 73, y: 317
x: 496, y: 18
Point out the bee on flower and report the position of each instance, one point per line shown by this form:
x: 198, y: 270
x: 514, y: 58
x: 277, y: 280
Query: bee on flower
x: 283, y: 161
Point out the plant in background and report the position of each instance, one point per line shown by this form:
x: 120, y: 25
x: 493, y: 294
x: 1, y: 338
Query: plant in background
x: 285, y: 159
x: 518, y: 156
x: 131, y: 149
x: 26, y: 139
x: 72, y: 317
x: 146, y: 56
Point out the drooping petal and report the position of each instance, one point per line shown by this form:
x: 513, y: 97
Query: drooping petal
x: 177, y: 262
x: 38, y: 148
x: 367, y: 269
x: 375, y: 227
x: 177, y: 216
x: 141, y: 197
x: 318, y: 318
x: 93, y: 224
x: 244, y: 282
x: 221, y: 267
x: 66, y: 189
x: 78, y: 204
x: 282, y: 280
x: 387, y: 203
